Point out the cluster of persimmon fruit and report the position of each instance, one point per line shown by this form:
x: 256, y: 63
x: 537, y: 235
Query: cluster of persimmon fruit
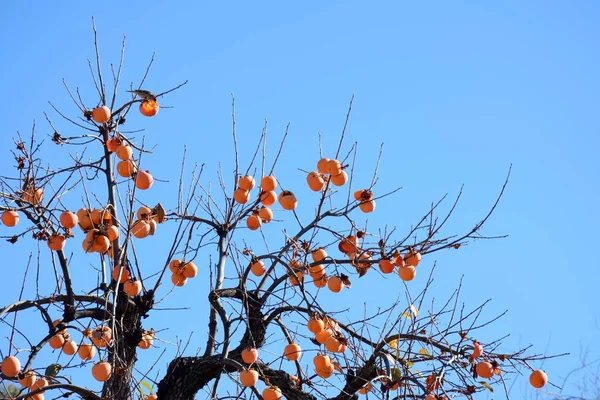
x: 268, y: 197
x: 127, y: 167
x: 249, y: 377
x: 101, y: 371
x: 100, y: 337
x: 181, y: 271
x: 119, y: 145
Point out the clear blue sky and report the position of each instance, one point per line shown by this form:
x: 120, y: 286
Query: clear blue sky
x: 457, y: 91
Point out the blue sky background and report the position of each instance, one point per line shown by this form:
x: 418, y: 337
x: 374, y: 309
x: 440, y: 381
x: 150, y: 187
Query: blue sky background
x: 458, y: 91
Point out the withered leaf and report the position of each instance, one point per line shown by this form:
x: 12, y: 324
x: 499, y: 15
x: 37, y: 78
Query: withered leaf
x: 346, y: 280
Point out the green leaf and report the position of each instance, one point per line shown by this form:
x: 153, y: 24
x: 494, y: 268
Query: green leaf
x: 487, y: 386
x: 396, y: 374
x: 53, y: 369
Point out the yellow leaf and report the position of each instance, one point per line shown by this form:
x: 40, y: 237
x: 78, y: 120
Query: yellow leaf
x: 424, y: 351
x: 393, y: 343
x: 409, y: 364
x: 146, y: 385
x: 406, y: 314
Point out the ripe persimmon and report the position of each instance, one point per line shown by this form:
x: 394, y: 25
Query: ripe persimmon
x: 258, y: 268
x: 334, y: 167
x: 176, y: 266
x: 268, y: 198
x: 124, y: 151
x: 386, y: 266
x: 57, y: 341
x: 140, y: 229
x: 84, y: 219
x: 248, y: 377
x: 265, y: 214
x: 430, y: 397
x: 112, y: 232
x: 241, y: 195
x: 315, y: 181
x: 123, y: 272
x: 102, y: 336
x: 102, y: 371
x: 101, y: 114
x: 322, y: 165
x: 407, y: 273
x: 321, y: 282
x: 335, y: 284
x: 538, y: 379
x: 250, y: 355
x: 146, y: 342
x: 112, y: 143
x: 399, y: 260
x: 28, y: 379
x: 317, y: 271
x: 126, y: 168
x: 323, y: 335
x: 153, y: 224
x: 295, y: 280
x: 33, y: 195
x: 149, y: 107
x: 178, y: 280
x: 292, y: 352
x: 412, y: 258
x: 333, y: 345
x: 318, y: 254
x: 363, y: 195
x: 96, y: 216
x: 321, y: 361
x: 38, y: 384
x: 315, y: 325
x: 86, y: 351
x: 11, y: 366
x: 143, y: 180
x: 366, y: 389
x: 190, y: 270
x: 253, y: 222
x: 101, y: 244
x: 287, y: 200
x: 348, y: 244
x: 10, y: 218
x: 477, y: 350
x: 132, y: 287
x: 56, y: 242
x: 247, y: 182
x: 325, y: 372
x: 272, y: 393
x: 484, y: 369
x: 268, y: 183
x: 68, y: 219
x: 340, y: 179
x: 144, y: 212
x: 70, y: 347
x: 367, y: 206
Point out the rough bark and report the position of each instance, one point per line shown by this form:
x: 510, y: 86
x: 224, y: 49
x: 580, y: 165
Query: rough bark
x: 127, y: 335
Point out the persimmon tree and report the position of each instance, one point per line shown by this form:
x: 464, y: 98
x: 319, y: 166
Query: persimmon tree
x: 267, y: 255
